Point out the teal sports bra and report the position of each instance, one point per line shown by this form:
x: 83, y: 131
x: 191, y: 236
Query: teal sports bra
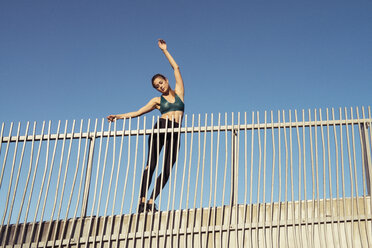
x: 166, y: 106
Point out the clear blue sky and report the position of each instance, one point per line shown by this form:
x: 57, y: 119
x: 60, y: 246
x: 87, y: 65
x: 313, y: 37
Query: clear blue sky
x: 87, y: 59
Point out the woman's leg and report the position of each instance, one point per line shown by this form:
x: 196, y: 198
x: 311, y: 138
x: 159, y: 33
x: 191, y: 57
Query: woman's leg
x: 152, y: 159
x: 171, y: 151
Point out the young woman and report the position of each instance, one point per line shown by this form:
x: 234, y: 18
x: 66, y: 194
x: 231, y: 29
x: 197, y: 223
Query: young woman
x: 171, y: 106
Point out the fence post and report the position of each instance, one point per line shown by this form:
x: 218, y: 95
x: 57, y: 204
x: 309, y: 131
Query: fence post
x: 88, y: 175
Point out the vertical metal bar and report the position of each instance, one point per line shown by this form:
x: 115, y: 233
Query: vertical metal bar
x: 202, y: 181
x: 337, y: 178
x: 251, y: 186
x: 72, y: 186
x: 299, y: 179
x: 1, y: 135
x: 110, y: 232
x: 305, y: 181
x: 365, y: 173
x: 117, y: 178
x: 170, y: 182
x: 264, y: 183
x: 170, y: 171
x: 286, y: 182
x: 236, y: 166
x: 175, y: 182
x: 83, y: 169
x: 188, y: 181
x: 280, y: 180
x: 48, y: 183
x: 232, y: 178
x: 91, y: 150
x: 139, y: 192
x: 351, y: 179
x: 314, y: 173
x: 368, y: 151
x: 134, y: 181
x: 355, y: 174
x: 348, y: 242
x: 330, y: 179
x: 16, y: 182
x: 102, y: 183
x: 26, y: 184
x: 324, y: 180
x: 320, y: 219
x: 196, y: 184
x: 97, y: 177
x: 6, y: 150
x: 215, y: 182
x: 57, y: 184
x: 313, y: 216
x: 182, y: 185
x: 110, y: 181
x: 292, y: 183
x: 162, y: 172
x: 365, y: 149
x: 10, y: 180
x: 147, y: 170
x: 135, y: 166
x: 32, y: 188
x: 149, y: 163
x: 224, y: 185
x: 245, y: 181
x: 161, y: 181
x: 64, y: 186
x: 259, y: 179
x: 88, y: 174
x: 272, y: 181
x: 210, y: 185
x: 156, y: 173
x: 41, y: 188
x: 170, y: 186
x: 126, y: 177
x: 370, y: 130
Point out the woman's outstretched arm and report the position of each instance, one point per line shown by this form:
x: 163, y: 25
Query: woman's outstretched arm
x: 179, y: 89
x: 151, y: 105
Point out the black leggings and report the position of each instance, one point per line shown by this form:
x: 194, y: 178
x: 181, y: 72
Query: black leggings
x: 153, y: 156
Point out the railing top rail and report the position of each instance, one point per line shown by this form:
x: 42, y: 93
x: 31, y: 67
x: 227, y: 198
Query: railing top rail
x: 222, y: 128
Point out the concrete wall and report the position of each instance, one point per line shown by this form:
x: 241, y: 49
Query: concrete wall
x: 321, y: 223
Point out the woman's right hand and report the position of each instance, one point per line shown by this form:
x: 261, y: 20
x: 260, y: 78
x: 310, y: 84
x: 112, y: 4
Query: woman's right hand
x: 162, y: 45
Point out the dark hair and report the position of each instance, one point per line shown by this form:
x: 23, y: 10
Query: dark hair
x: 156, y: 76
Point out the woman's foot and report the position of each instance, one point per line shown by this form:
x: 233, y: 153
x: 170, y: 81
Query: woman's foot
x: 151, y: 207
x: 141, y: 207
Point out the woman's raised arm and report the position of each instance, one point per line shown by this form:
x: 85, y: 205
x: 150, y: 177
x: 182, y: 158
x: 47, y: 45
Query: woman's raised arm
x: 179, y: 89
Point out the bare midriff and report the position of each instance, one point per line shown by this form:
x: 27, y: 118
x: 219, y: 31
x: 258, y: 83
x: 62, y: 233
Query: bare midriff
x: 173, y: 115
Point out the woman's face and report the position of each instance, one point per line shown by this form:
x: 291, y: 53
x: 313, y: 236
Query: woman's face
x: 161, y: 85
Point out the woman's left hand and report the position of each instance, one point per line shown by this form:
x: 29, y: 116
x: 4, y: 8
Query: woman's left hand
x: 111, y: 118
x: 162, y: 45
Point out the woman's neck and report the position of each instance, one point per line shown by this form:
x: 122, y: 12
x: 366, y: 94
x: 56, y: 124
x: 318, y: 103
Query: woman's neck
x: 170, y: 93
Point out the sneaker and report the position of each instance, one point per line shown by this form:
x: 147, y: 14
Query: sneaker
x: 151, y: 207
x: 141, y: 207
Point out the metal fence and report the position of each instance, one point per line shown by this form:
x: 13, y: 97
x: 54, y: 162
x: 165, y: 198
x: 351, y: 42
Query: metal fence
x: 266, y: 179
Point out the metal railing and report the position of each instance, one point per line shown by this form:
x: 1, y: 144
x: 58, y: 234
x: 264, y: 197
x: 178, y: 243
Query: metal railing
x: 291, y: 171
